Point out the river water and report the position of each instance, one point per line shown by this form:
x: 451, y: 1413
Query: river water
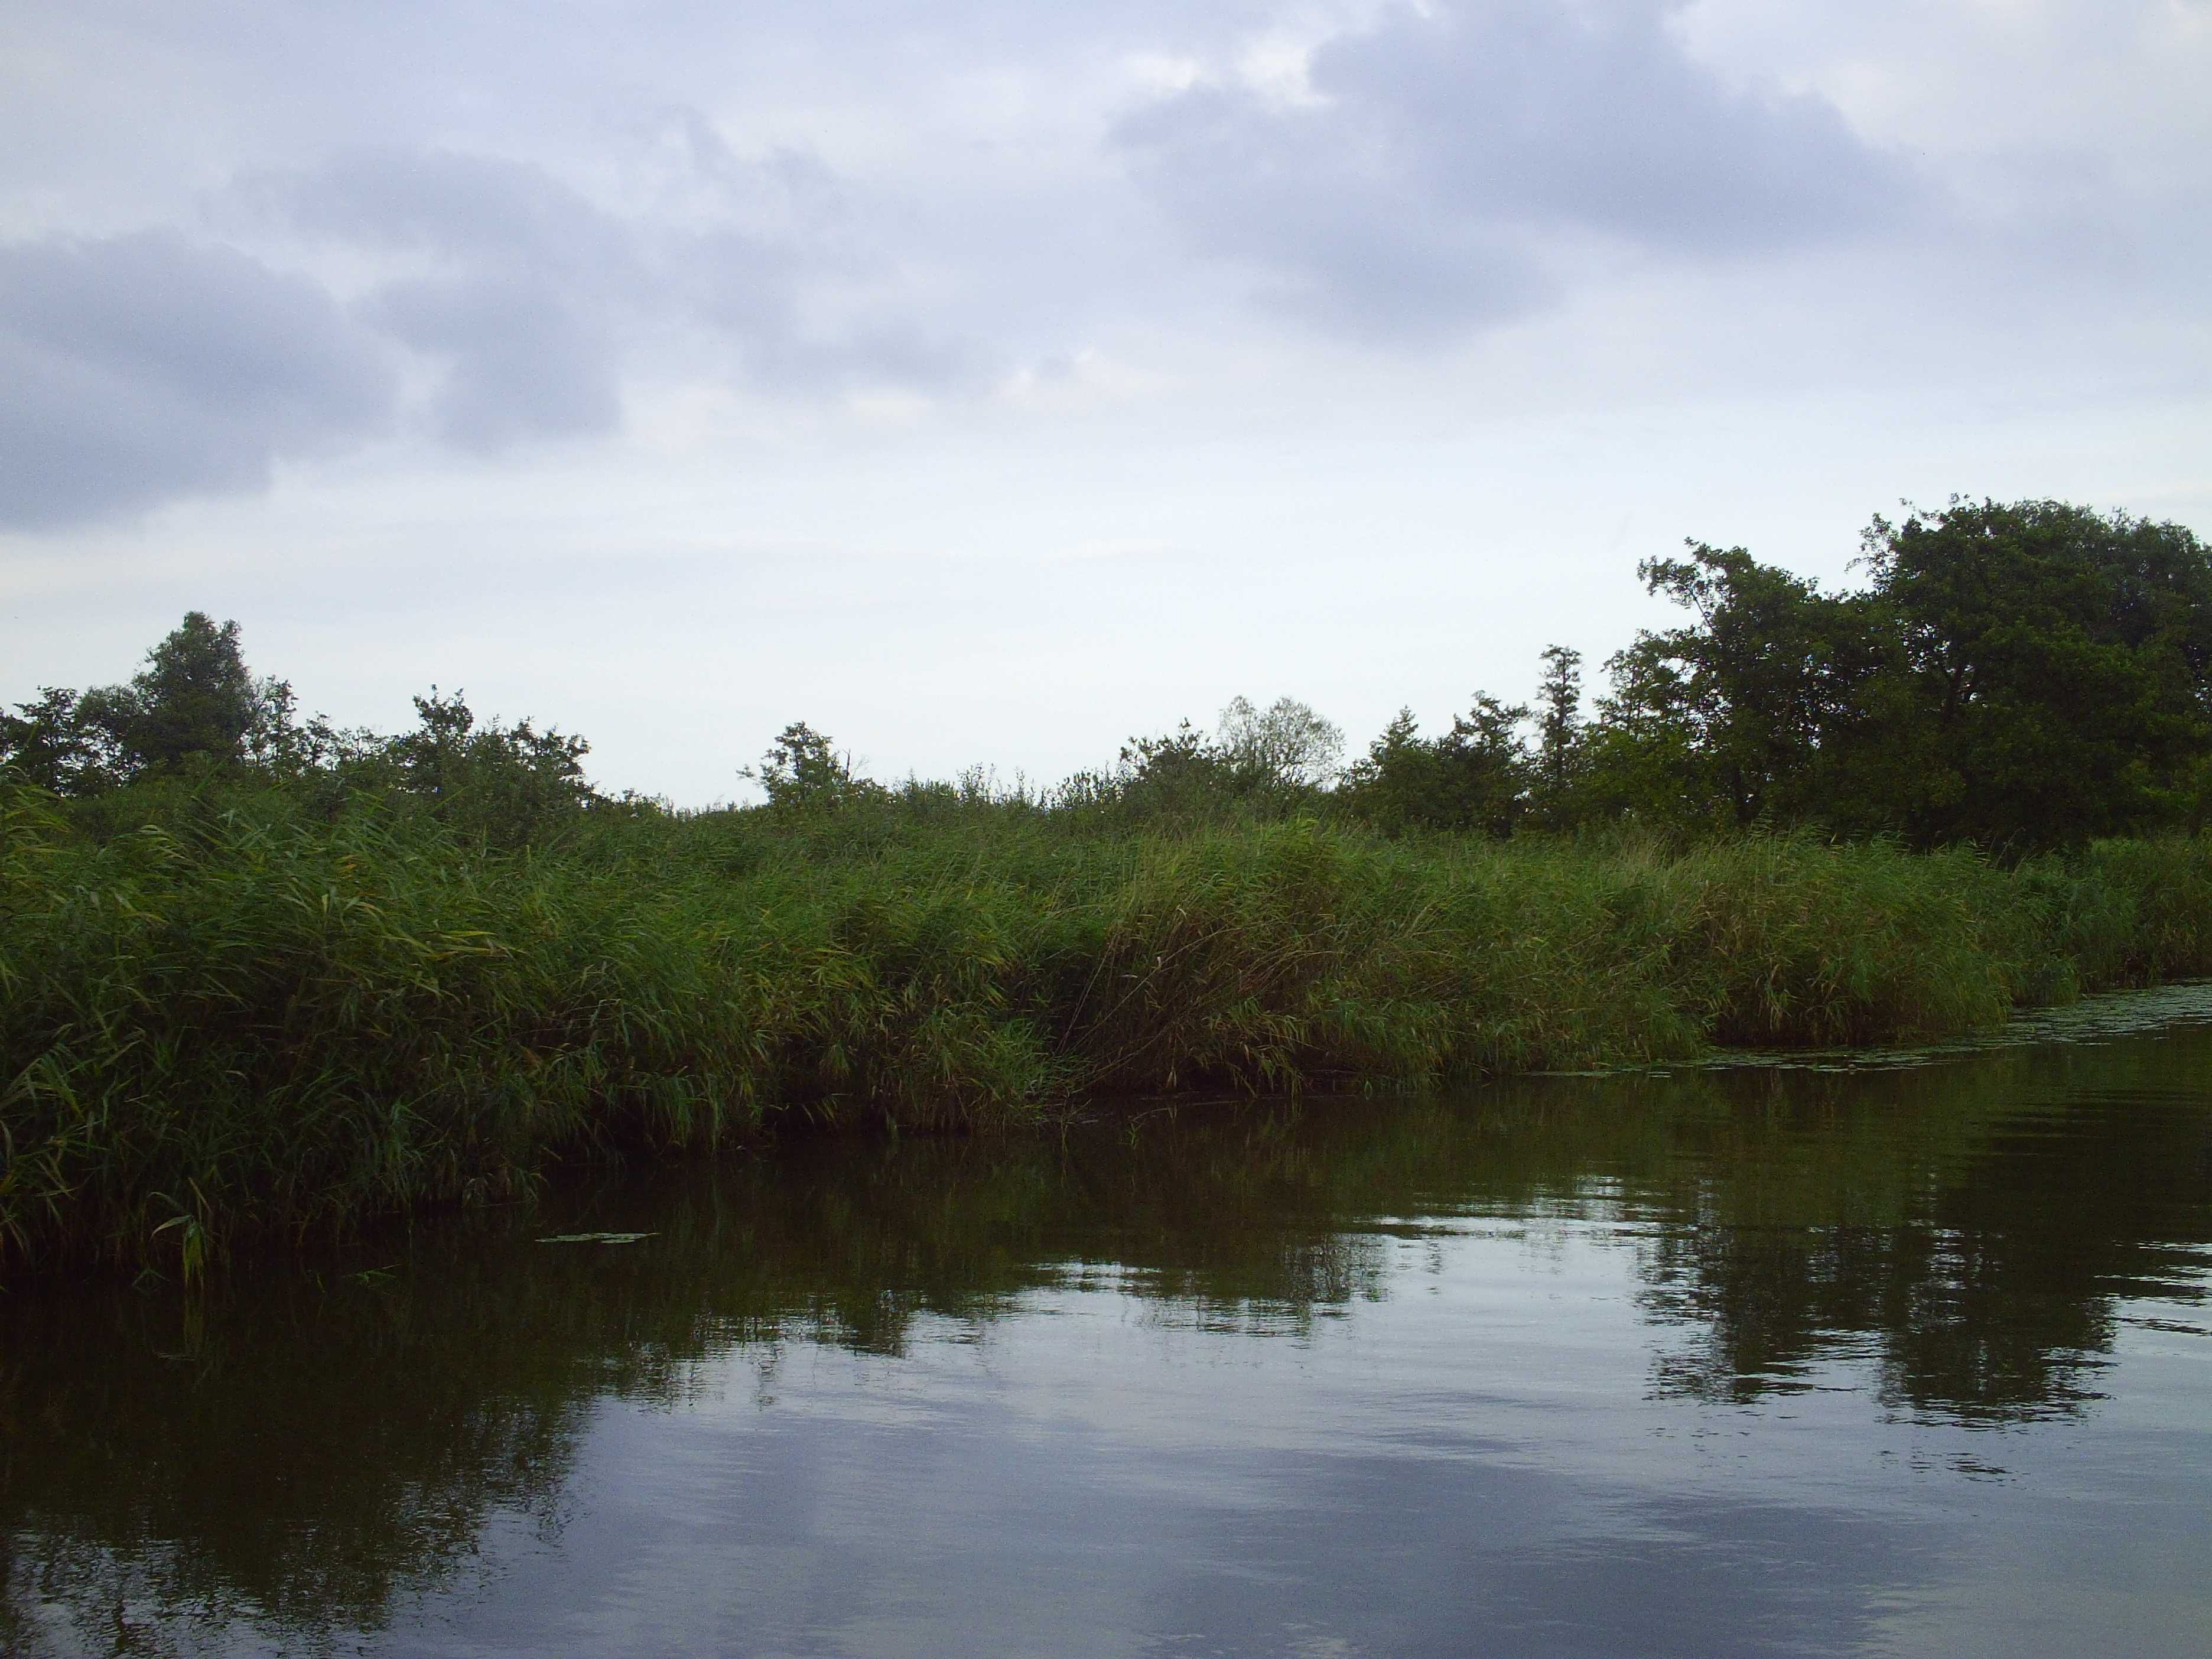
x: 1910, y: 1357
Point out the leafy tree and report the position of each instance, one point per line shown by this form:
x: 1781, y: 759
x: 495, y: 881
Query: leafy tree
x: 1284, y: 746
x: 192, y: 705
x: 1476, y: 776
x: 2053, y: 673
x: 2018, y: 675
x: 1490, y: 763
x: 46, y: 742
x: 194, y: 708
x: 1735, y: 711
x: 1177, y: 769
x: 509, y: 784
x: 281, y: 745
x: 1560, y: 747
x: 1259, y: 763
x: 802, y: 770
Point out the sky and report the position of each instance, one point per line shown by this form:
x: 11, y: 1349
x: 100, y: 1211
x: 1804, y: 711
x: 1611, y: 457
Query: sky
x: 983, y: 383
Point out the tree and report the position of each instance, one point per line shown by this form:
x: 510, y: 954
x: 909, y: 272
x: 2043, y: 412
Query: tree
x: 802, y: 769
x: 2053, y: 671
x: 1739, y: 709
x: 1178, y: 774
x: 46, y: 742
x: 2020, y: 675
x: 1558, y: 735
x: 1285, y: 746
x: 508, y: 784
x: 1476, y: 776
x: 192, y: 704
x: 1259, y: 763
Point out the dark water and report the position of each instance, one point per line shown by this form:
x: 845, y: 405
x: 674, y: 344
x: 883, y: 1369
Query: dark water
x: 1900, y: 1361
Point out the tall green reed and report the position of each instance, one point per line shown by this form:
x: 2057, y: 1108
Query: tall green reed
x: 250, y: 1019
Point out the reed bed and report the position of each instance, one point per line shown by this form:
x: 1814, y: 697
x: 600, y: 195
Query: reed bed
x: 247, y: 1021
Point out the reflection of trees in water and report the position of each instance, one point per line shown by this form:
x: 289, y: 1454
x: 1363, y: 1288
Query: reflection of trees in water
x: 1952, y: 1329
x: 1968, y: 1229
x: 305, y: 1457
x: 282, y: 1457
x: 296, y: 1457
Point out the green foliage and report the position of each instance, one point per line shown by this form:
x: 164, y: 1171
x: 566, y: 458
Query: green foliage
x: 1477, y: 776
x: 191, y: 707
x: 1284, y: 747
x: 258, y: 1018
x: 1739, y: 707
x: 258, y: 974
x: 510, y: 784
x: 196, y: 725
x: 1801, y: 942
x: 2020, y: 676
x: 1261, y: 765
x: 48, y: 743
x: 1178, y: 774
x: 1561, y: 762
x: 2125, y: 912
x: 803, y: 772
x: 2059, y: 667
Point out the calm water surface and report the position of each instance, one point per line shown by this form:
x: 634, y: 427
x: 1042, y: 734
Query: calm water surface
x: 1904, y: 1360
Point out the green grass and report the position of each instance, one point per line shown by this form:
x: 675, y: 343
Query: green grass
x: 249, y: 1020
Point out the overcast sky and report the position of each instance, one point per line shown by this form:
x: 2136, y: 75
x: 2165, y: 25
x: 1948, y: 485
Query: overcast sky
x: 984, y: 383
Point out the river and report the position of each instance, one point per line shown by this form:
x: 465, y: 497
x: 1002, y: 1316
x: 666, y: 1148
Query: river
x: 1905, y: 1354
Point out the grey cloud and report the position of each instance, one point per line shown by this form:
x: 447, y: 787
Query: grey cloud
x: 529, y: 283
x: 538, y: 298
x: 473, y: 207
x: 147, y: 366
x: 523, y: 359
x: 790, y: 193
x: 900, y: 356
x: 747, y: 290
x: 1452, y: 169
x: 1536, y: 112
x: 790, y: 232
x: 1347, y: 239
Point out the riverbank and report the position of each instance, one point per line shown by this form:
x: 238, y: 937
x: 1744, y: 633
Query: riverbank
x: 257, y: 1021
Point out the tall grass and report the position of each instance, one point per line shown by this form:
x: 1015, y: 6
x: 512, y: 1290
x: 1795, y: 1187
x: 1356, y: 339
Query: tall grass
x: 247, y: 1019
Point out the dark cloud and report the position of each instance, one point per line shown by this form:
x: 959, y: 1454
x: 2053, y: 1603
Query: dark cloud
x: 1452, y: 169
x: 144, y: 367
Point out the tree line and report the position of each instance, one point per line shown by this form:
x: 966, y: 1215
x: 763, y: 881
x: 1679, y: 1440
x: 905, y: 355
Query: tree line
x: 194, y: 716
x: 2018, y: 676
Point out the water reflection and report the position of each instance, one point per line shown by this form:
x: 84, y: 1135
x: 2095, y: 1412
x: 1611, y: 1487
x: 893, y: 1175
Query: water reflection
x: 1983, y: 1255
x: 1244, y: 1338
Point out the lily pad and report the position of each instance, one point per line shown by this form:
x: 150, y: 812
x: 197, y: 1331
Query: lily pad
x: 594, y: 1238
